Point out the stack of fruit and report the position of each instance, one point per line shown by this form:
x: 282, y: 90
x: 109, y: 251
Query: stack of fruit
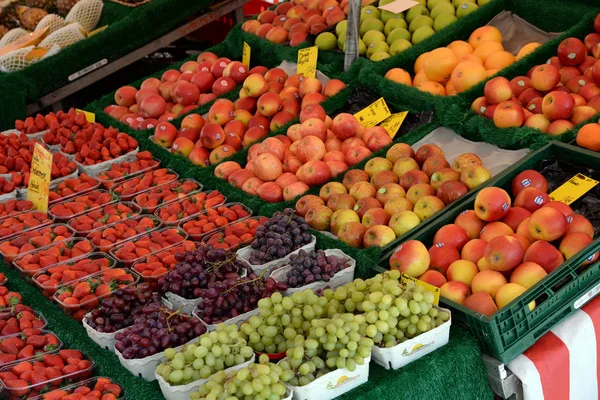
x: 392, y: 195
x: 150, y: 200
x: 30, y: 263
x: 11, y: 207
x: 120, y: 171
x: 102, y: 216
x: 148, y: 244
x: 22, y: 222
x: 78, y: 205
x: 72, y: 187
x: 141, y: 183
x: 491, y: 255
x: 155, y: 266
x: 553, y: 97
x: 384, y: 34
x: 236, y: 235
x: 214, y: 218
x: 177, y: 92
x: 34, y: 239
x: 193, y: 205
x: 268, y: 100
x: 461, y: 65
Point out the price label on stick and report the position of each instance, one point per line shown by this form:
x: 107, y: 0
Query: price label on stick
x: 39, y: 178
x: 89, y: 117
x: 373, y: 114
x: 393, y: 123
x: 409, y: 280
x: 399, y: 6
x: 307, y: 62
x: 246, y: 55
x: 573, y: 189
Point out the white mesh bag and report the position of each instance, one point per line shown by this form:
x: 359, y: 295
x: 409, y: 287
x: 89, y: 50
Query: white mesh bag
x: 64, y: 37
x: 53, y: 21
x: 15, y: 60
x: 11, y: 36
x: 86, y: 13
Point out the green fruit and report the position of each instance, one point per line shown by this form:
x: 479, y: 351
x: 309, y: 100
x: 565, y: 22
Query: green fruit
x: 372, y: 37
x: 378, y: 56
x: 415, y: 12
x: 341, y: 27
x: 432, y: 3
x: 362, y: 48
x: 420, y: 21
x: 326, y: 41
x: 443, y: 21
x: 421, y: 34
x: 457, y: 3
x: 399, y: 46
x: 370, y: 24
x: 482, y: 2
x: 465, y: 9
x: 398, y: 33
x: 422, y: 2
x: 442, y: 8
x: 378, y: 46
x: 388, y: 16
x: 384, y: 2
x: 369, y: 12
x: 342, y: 41
x: 393, y: 24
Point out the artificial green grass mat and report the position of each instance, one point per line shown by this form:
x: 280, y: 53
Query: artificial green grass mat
x: 128, y: 29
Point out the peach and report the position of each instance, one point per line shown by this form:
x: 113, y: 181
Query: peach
x: 456, y: 291
x: 488, y: 281
x: 452, y: 234
x: 389, y: 191
x: 531, y: 199
x: 545, y: 255
x: 509, y: 292
x: 462, y: 271
x: 494, y: 230
x: 410, y: 258
x: 579, y: 223
x: 482, y: 303
x: 504, y: 253
x: 470, y: 222
x: 473, y: 250
x: 441, y: 256
x: 548, y: 224
x: 527, y: 274
x: 434, y: 278
x: 491, y: 204
x: 573, y: 243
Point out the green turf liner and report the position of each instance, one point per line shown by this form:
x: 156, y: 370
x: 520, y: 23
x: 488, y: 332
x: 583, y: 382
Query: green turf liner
x: 128, y: 29
x: 514, y: 328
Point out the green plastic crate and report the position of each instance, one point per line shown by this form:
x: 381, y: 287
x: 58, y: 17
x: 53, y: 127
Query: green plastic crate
x: 515, y: 328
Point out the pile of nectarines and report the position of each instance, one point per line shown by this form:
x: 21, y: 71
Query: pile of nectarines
x: 392, y: 195
x: 494, y: 253
x: 461, y: 65
x: 553, y: 97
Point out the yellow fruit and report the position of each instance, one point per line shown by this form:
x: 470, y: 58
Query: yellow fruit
x: 527, y: 49
x: 439, y: 64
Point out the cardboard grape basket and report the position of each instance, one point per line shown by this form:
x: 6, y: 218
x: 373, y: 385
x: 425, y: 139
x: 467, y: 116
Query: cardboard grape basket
x: 515, y: 328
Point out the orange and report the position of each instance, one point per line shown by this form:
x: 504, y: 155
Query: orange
x: 399, y: 75
x: 419, y: 78
x: 466, y: 75
x: 439, y: 64
x: 450, y: 91
x: 588, y: 137
x: 470, y: 58
x: 460, y: 48
x: 419, y: 62
x: 499, y: 60
x: 492, y: 72
x: 432, y: 87
x: 486, y: 49
x: 527, y: 49
x: 484, y: 34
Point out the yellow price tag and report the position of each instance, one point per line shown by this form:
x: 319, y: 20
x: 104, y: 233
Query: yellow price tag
x: 39, y: 179
x: 373, y: 113
x: 307, y: 62
x: 393, y: 123
x: 90, y: 117
x: 573, y: 189
x: 409, y: 280
x: 246, y: 55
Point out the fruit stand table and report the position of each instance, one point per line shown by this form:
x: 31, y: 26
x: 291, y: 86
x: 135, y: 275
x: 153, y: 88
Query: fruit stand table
x: 131, y: 34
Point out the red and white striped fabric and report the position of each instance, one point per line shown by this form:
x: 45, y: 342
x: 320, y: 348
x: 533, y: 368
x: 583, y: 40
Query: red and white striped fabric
x: 563, y: 364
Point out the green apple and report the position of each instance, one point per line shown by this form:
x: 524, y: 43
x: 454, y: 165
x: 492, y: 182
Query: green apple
x: 422, y: 2
x: 341, y: 27
x: 372, y: 37
x: 398, y: 33
x: 415, y: 12
x: 442, y: 8
x: 378, y: 56
x: 393, y: 24
x: 443, y: 21
x: 399, y: 46
x: 377, y: 47
x: 421, y: 20
x: 342, y: 41
x: 432, y: 3
x: 362, y: 48
x: 421, y: 34
x: 370, y: 24
x: 384, y: 2
x: 369, y: 12
x: 326, y: 41
x: 465, y: 9
x: 388, y: 15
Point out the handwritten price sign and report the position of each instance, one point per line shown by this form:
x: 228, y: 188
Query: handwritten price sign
x: 307, y: 62
x: 39, y: 179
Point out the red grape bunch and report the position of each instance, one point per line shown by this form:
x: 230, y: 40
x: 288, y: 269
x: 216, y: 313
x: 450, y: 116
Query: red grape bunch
x: 313, y: 266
